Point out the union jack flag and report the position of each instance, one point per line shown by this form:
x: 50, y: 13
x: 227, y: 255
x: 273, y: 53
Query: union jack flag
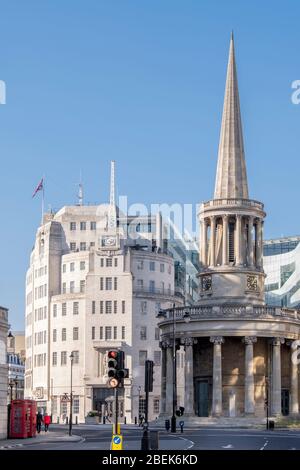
x: 39, y: 187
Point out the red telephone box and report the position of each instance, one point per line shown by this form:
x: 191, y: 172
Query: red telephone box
x: 22, y: 419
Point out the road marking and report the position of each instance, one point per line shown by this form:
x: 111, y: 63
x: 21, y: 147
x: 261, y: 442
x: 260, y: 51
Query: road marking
x: 187, y: 440
x: 229, y: 446
x: 264, y: 446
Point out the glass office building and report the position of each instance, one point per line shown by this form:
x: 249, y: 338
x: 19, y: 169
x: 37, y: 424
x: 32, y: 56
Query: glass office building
x: 282, y: 267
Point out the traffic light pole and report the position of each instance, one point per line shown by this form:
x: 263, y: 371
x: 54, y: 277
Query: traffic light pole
x: 116, y: 410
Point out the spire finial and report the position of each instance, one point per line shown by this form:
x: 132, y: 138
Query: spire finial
x: 112, y: 222
x: 80, y: 190
x: 231, y: 179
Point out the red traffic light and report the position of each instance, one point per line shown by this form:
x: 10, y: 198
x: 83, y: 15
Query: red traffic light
x: 112, y: 354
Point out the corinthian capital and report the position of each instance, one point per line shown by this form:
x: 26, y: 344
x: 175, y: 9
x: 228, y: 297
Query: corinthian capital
x: 217, y: 339
x: 249, y: 339
x: 187, y: 342
x: 278, y: 341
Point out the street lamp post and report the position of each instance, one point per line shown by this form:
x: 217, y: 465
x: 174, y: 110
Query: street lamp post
x: 71, y: 396
x: 267, y: 400
x: 16, y: 384
x: 186, y: 318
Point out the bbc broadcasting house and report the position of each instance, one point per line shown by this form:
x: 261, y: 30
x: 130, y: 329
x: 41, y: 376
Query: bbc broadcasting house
x: 96, y: 282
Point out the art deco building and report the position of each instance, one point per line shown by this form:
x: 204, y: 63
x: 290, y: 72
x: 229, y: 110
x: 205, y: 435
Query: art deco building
x: 96, y: 281
x: 237, y: 349
x: 3, y: 371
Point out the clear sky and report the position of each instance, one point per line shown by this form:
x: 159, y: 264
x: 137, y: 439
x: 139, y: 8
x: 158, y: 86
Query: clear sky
x: 141, y: 82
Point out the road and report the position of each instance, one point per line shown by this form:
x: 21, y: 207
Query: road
x: 194, y: 439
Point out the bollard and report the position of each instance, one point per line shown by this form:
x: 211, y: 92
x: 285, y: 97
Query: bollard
x: 104, y: 419
x: 167, y: 424
x: 76, y: 420
x: 125, y: 420
x: 57, y: 419
x: 67, y: 420
x: 135, y: 420
x: 181, y: 424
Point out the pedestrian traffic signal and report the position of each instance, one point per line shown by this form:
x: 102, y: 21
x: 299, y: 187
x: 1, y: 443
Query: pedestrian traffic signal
x: 116, y: 369
x: 180, y: 411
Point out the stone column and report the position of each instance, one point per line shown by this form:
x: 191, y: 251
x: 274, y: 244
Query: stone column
x: 169, y: 379
x: 203, y: 242
x: 189, y: 377
x: 238, y: 232
x: 212, y: 240
x: 249, y: 376
x: 276, y: 376
x: 294, y: 410
x: 163, y: 346
x: 250, y: 241
x: 225, y: 241
x: 259, y: 242
x: 217, y: 375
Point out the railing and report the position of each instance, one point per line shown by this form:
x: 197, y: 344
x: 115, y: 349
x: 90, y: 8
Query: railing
x: 233, y: 202
x: 234, y: 311
x: 157, y: 291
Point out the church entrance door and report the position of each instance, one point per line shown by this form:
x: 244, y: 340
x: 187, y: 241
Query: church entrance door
x: 202, y: 397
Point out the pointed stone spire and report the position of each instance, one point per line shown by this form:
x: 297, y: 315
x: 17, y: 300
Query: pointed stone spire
x: 231, y: 179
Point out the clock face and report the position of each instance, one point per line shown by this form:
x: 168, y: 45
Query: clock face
x: 109, y: 241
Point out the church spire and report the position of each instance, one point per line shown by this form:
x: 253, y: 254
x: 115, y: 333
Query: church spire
x: 231, y: 179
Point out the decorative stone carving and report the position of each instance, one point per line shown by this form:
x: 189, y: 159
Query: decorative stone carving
x: 165, y: 344
x: 252, y: 283
x: 206, y: 283
x: 278, y: 341
x: 249, y: 339
x: 217, y: 339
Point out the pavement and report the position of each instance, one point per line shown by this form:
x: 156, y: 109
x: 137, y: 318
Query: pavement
x: 98, y: 437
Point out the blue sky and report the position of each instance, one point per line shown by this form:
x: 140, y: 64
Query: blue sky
x: 141, y: 82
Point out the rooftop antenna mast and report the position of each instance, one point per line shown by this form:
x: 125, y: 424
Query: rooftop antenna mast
x: 80, y: 191
x: 112, y: 222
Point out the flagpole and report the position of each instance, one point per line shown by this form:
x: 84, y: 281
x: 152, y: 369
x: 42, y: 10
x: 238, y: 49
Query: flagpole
x: 43, y: 199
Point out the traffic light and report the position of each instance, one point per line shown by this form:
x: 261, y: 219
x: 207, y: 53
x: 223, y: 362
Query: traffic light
x: 116, y: 369
x: 149, y: 376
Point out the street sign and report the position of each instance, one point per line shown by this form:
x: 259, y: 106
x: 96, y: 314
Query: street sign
x: 117, y: 442
x: 65, y: 398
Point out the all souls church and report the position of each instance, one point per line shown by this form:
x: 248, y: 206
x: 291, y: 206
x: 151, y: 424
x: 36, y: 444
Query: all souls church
x: 238, y: 351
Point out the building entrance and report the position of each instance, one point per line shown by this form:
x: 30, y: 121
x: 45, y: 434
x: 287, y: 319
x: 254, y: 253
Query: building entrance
x: 202, y: 397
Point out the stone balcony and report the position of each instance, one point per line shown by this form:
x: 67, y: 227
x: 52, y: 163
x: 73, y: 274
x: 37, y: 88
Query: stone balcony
x: 233, y: 202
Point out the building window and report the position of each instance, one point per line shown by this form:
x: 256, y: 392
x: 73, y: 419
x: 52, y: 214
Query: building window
x: 83, y: 246
x: 54, y: 359
x: 115, y: 332
x: 82, y: 286
x: 115, y: 306
x: 144, y: 306
x: 152, y: 286
x: 93, y: 225
x: 101, y: 262
x: 72, y: 226
x: 82, y: 225
x: 82, y: 265
x: 75, y: 308
x: 142, y: 406
x: 140, y: 264
x: 115, y: 283
x: 157, y: 358
x: 64, y: 288
x: 156, y: 406
x: 152, y: 266
x: 116, y: 262
x: 101, y: 283
x: 142, y: 357
x: 123, y: 306
x: 92, y: 244
x: 55, y: 310
x: 73, y: 246
x: 72, y: 287
x: 108, y: 262
x: 64, y: 334
x: 63, y: 358
x: 54, y: 336
x: 140, y: 284
x: 162, y: 268
x: 157, y: 334
x: 93, y: 332
x: 101, y: 332
x: 75, y: 357
x: 93, y: 306
x: 64, y: 268
x: 123, y: 332
x: 76, y: 403
x: 108, y: 283
x: 75, y: 333
x: 108, y: 306
x: 143, y: 333
x: 101, y: 306
x: 63, y: 408
x: 72, y: 267
x: 64, y: 309
x: 108, y: 332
